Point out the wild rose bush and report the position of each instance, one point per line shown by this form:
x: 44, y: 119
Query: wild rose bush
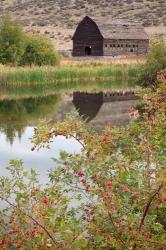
x: 110, y: 196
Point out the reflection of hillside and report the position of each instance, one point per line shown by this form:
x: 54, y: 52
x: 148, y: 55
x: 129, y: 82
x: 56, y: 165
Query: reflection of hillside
x: 115, y: 113
x: 15, y: 115
x: 64, y: 107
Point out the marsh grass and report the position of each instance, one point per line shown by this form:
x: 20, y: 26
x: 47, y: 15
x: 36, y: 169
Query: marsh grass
x: 16, y: 77
x: 65, y: 87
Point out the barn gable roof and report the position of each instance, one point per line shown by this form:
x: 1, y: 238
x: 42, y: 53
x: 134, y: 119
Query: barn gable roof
x: 120, y: 29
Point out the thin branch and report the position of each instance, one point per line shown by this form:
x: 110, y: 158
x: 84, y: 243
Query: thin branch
x: 117, y: 233
x: 146, y: 210
x: 82, y: 190
x: 33, y: 219
x: 148, y: 206
x: 75, y: 137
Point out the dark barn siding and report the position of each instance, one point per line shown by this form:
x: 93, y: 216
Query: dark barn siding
x: 87, y: 35
x: 97, y: 38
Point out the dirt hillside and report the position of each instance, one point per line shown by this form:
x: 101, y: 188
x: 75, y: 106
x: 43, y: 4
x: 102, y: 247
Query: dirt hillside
x: 58, y: 18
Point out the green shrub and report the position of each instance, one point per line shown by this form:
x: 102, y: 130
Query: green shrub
x: 155, y: 62
x: 11, y: 41
x: 18, y: 48
x: 39, y: 51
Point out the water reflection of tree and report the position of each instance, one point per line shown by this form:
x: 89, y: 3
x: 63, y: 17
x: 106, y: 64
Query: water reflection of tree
x: 16, y: 115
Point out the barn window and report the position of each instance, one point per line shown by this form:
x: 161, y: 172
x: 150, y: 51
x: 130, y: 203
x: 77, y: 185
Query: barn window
x: 133, y: 45
x: 110, y: 45
x: 129, y: 45
x: 118, y: 45
x: 106, y: 45
x: 114, y: 45
x: 126, y: 45
x: 121, y: 45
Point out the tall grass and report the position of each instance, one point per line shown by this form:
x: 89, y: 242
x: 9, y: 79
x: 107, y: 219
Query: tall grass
x: 32, y: 76
x: 69, y: 87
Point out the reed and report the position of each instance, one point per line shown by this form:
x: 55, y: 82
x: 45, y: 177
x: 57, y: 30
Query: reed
x: 16, y: 77
x: 69, y: 87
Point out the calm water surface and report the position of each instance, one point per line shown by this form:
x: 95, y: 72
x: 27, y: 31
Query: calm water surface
x: 19, y: 117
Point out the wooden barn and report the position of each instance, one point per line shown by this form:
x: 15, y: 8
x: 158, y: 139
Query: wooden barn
x: 105, y: 38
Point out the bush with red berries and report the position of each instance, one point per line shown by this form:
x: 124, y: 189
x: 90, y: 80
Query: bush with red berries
x: 110, y: 196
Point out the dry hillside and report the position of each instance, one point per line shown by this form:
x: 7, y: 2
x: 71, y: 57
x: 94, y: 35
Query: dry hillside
x: 58, y: 18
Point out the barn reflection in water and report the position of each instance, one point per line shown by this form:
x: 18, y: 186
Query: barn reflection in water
x: 87, y: 104
x: 100, y: 108
x: 97, y: 109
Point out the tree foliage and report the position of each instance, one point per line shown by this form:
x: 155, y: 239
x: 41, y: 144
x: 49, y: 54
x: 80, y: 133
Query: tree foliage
x: 155, y: 62
x: 110, y: 196
x: 20, y: 48
x: 39, y: 51
x: 11, y: 41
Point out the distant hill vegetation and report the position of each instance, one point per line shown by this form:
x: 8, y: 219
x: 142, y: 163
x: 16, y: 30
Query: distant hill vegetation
x: 52, y: 17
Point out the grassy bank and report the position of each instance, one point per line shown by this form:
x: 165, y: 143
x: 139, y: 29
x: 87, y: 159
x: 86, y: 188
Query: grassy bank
x: 33, y: 76
x: 50, y: 89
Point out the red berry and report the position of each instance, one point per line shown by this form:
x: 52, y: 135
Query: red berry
x: 109, y: 184
x: 136, y: 194
x: 162, y: 199
x: 45, y: 201
x: 37, y: 190
x: 83, y: 181
x: 80, y: 174
x: 14, y: 231
x: 87, y: 187
x: 94, y: 180
x: 125, y: 188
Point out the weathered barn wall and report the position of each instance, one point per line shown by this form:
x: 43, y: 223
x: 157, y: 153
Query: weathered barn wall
x: 87, y: 36
x: 125, y: 47
x: 109, y: 39
x: 80, y: 46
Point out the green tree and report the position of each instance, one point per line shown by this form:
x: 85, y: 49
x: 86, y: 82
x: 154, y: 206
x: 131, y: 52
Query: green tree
x: 11, y: 41
x: 155, y: 62
x: 39, y: 51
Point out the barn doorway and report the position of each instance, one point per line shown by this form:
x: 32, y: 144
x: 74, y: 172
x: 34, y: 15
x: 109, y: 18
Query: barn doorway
x: 88, y: 50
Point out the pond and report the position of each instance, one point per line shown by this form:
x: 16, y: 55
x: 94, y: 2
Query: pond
x: 20, y: 114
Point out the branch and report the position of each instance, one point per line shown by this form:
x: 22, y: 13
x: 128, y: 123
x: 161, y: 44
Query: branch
x: 75, y: 137
x: 148, y: 206
x: 33, y: 219
x: 117, y: 236
x: 116, y: 233
x: 146, y: 210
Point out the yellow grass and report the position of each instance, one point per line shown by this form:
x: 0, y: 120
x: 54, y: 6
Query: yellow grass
x: 70, y: 62
x: 127, y: 60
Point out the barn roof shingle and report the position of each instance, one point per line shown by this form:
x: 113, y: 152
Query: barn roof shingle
x: 120, y: 29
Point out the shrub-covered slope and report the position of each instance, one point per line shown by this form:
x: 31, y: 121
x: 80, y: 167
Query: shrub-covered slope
x: 57, y: 17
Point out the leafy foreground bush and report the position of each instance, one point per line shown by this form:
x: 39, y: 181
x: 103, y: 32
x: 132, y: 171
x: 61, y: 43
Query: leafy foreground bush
x: 19, y: 48
x: 110, y: 196
x: 11, y: 41
x: 155, y: 62
x: 39, y: 51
